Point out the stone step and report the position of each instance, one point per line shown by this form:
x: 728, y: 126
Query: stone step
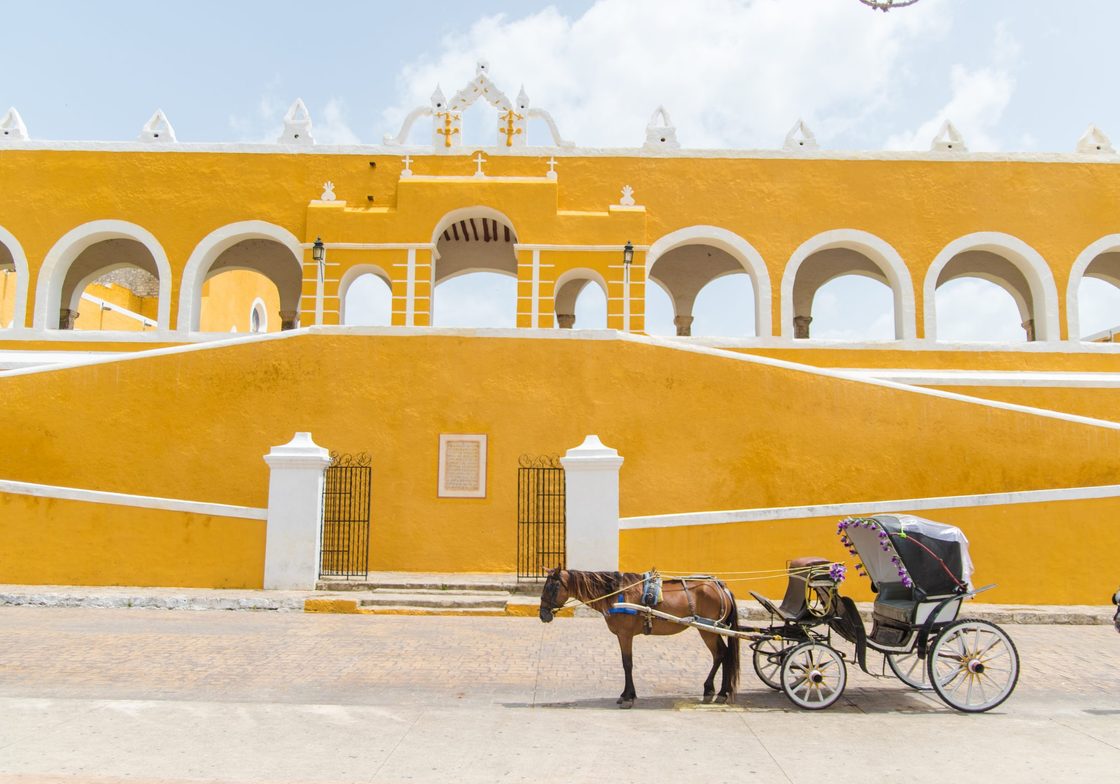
x: 513, y: 587
x: 444, y: 600
x: 495, y: 593
x: 404, y: 609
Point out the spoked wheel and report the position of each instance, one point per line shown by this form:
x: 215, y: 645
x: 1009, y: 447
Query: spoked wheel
x: 768, y: 661
x: 909, y: 669
x: 973, y: 665
x: 813, y: 675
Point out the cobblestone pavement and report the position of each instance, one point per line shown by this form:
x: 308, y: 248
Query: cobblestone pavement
x: 101, y: 694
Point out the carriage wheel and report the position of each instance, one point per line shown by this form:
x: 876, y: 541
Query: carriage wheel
x: 909, y: 669
x: 973, y: 665
x: 813, y: 675
x: 767, y: 661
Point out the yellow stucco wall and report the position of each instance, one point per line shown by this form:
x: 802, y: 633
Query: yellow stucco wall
x: 1055, y: 552
x: 56, y: 541
x: 698, y: 432
x: 228, y: 297
x: 1099, y: 403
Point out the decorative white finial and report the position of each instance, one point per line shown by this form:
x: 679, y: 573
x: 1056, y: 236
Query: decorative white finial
x: 552, y: 175
x: 1094, y: 142
x: 660, y: 132
x: 800, y: 138
x: 328, y: 191
x: 522, y: 100
x: 157, y: 129
x: 297, y: 125
x: 627, y: 199
x: 948, y: 139
x: 439, y: 100
x: 407, y: 170
x: 479, y: 160
x: 482, y: 67
x: 12, y: 128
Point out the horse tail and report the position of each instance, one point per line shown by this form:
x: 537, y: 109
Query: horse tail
x: 731, y: 652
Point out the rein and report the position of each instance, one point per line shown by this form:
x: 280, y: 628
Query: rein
x: 585, y: 602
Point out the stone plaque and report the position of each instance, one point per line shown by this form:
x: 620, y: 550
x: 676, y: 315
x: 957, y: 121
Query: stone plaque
x: 462, y: 466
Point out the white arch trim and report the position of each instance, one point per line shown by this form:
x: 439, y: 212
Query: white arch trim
x: 1039, y: 277
x: 739, y: 249
x: 478, y: 211
x: 19, y: 258
x: 351, y: 275
x: 206, y: 253
x: 1105, y: 244
x: 52, y: 275
x: 874, y: 248
x: 581, y: 273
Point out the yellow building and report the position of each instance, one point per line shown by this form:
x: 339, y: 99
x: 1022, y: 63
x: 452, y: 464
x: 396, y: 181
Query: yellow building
x: 127, y: 266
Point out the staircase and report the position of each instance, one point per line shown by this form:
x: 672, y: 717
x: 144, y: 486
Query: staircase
x: 404, y: 594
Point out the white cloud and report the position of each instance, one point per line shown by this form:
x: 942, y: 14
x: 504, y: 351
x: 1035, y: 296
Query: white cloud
x: 733, y: 73
x: 979, y: 98
x: 971, y: 309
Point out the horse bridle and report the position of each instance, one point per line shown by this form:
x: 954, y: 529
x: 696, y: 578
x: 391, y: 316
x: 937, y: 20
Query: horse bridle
x: 552, y: 589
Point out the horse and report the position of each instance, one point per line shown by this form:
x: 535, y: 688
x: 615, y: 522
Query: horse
x: 704, y: 597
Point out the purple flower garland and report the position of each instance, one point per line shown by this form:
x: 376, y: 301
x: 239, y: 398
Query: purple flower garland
x: 884, y: 542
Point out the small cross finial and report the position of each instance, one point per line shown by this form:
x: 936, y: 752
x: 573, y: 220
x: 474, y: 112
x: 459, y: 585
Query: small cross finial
x: 407, y: 170
x: 479, y: 160
x: 551, y: 167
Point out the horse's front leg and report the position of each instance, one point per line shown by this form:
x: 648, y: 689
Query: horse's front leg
x: 626, y: 644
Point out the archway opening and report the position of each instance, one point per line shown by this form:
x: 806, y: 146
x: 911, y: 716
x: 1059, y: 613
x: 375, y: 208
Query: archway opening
x: 240, y: 300
x: 227, y: 304
x: 841, y: 289
x: 1098, y: 299
x: 997, y: 304
x: 971, y: 310
x: 367, y: 301
x: 854, y: 308
x: 113, y: 284
x: 474, y: 275
x: 581, y: 301
x: 725, y: 307
x: 9, y: 277
x: 682, y: 273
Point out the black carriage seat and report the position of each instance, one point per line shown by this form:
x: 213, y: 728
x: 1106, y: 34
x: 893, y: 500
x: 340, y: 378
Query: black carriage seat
x: 793, y: 607
x: 896, y: 604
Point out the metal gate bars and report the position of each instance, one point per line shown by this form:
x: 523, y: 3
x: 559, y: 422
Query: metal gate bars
x: 540, y: 516
x: 344, y: 535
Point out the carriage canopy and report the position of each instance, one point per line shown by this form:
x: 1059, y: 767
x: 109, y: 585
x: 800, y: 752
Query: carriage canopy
x: 931, y: 557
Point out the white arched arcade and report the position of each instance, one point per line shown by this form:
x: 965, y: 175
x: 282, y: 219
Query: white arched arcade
x: 13, y: 264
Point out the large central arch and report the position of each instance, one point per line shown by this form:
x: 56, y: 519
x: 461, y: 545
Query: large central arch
x: 734, y: 246
x: 1038, y: 302
x: 472, y: 240
x: 879, y: 256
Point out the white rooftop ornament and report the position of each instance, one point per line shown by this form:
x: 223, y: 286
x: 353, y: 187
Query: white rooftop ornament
x: 800, y: 138
x: 661, y: 134
x: 627, y: 199
x: 12, y: 128
x: 447, y: 115
x: 1095, y: 142
x: 297, y: 125
x: 948, y: 139
x: 328, y: 192
x: 158, y: 129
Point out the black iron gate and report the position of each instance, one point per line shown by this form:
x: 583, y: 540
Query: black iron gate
x: 540, y: 516
x: 345, y: 530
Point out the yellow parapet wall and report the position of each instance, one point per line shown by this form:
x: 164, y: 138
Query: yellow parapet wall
x: 1054, y: 552
x: 699, y: 430
x: 53, y: 541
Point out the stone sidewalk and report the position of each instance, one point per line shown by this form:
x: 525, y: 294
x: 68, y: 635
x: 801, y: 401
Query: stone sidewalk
x: 519, y: 599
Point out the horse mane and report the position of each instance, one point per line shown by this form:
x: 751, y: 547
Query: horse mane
x: 587, y: 586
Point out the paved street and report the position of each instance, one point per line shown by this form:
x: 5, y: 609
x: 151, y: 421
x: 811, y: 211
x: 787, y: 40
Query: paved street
x: 101, y: 694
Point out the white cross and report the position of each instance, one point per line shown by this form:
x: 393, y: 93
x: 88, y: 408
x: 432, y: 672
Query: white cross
x: 479, y: 160
x: 407, y: 161
x: 552, y: 168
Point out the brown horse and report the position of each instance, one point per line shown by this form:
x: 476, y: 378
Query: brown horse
x: 700, y: 597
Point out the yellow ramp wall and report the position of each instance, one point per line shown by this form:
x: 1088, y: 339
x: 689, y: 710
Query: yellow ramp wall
x: 698, y: 431
x: 51, y: 541
x: 1096, y: 402
x: 1053, y: 552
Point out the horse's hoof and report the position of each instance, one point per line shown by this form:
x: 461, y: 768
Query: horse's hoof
x: 619, y: 700
x: 626, y: 704
x: 721, y: 699
x: 709, y: 697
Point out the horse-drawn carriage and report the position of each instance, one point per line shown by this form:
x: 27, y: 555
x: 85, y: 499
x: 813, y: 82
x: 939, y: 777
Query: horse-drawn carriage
x: 921, y: 573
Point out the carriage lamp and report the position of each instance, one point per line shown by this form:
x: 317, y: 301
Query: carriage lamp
x: 628, y: 253
x: 319, y: 253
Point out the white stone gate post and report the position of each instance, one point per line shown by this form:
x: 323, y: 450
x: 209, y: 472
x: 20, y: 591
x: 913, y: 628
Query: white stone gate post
x: 591, y: 505
x: 295, y: 510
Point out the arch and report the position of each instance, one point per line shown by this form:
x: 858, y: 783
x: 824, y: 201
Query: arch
x: 566, y: 293
x: 1107, y: 244
x: 471, y: 240
x: 56, y: 265
x: 736, y: 247
x: 879, y: 252
x: 19, y: 261
x: 1043, y: 305
x: 213, y: 245
x: 351, y: 275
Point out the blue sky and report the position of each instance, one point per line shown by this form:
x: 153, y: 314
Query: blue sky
x: 1015, y: 75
